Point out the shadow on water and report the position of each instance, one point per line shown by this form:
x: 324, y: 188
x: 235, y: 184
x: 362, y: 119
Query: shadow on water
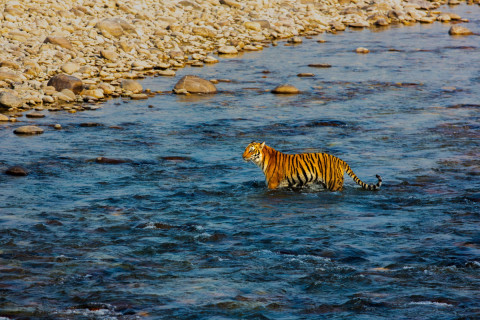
x: 146, y: 208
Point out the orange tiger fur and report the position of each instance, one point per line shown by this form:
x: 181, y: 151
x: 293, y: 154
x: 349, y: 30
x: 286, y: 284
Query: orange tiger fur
x: 296, y: 170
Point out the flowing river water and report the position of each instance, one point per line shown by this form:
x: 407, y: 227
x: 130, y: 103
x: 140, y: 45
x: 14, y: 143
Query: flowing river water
x: 183, y: 228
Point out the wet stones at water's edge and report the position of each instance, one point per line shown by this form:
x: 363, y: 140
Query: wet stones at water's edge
x: 95, y: 46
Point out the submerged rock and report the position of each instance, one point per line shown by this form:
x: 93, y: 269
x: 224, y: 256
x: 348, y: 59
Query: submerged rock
x: 194, y: 84
x: 16, y: 171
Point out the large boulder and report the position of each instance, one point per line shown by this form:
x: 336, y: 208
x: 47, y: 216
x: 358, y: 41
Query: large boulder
x: 194, y: 84
x: 63, y: 81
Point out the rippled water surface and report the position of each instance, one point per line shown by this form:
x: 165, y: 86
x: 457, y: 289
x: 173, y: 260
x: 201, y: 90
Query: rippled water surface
x: 183, y: 228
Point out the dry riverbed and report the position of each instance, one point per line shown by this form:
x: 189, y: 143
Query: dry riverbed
x: 57, y: 55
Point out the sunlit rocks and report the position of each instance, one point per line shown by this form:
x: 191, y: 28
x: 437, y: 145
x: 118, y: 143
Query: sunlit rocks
x: 5, y: 74
x: 9, y: 100
x: 59, y: 41
x: 285, y: 89
x: 131, y: 85
x: 3, y: 118
x: 457, y: 30
x: 64, y: 81
x: 17, y: 171
x: 227, y: 50
x: 28, y: 130
x: 362, y: 50
x: 115, y: 27
x: 70, y: 67
x: 194, y: 84
x: 109, y: 55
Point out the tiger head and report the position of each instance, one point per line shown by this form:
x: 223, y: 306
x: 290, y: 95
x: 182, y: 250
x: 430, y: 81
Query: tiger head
x: 253, y: 153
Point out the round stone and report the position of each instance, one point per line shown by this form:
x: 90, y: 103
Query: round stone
x: 70, y: 67
x: 362, y: 50
x: 131, y: 85
x: 35, y: 114
x: 285, y: 89
x: 28, y: 130
x: 64, y: 81
x: 194, y: 84
x: 227, y: 50
x: 457, y: 30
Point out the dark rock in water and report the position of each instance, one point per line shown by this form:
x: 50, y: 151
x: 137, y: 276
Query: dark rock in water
x: 64, y: 81
x: 104, y: 160
x: 176, y: 158
x: 194, y: 84
x: 16, y: 171
x: 90, y: 124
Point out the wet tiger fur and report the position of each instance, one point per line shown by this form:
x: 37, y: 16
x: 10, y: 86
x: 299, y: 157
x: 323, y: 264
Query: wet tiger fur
x: 296, y: 170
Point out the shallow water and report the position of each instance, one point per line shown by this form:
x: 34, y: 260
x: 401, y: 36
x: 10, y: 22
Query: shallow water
x: 185, y: 229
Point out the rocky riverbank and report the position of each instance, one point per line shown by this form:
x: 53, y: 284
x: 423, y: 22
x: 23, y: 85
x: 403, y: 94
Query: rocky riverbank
x: 56, y: 55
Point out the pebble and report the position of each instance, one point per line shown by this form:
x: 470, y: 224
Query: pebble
x: 57, y: 126
x: 59, y: 41
x: 285, y: 89
x: 320, y: 65
x: 28, y: 130
x: 194, y: 84
x: 305, y: 74
x: 70, y: 67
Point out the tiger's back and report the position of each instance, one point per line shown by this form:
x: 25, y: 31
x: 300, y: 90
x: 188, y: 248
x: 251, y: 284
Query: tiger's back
x: 296, y: 170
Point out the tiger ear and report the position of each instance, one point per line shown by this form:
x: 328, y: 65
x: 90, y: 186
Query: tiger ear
x: 262, y: 145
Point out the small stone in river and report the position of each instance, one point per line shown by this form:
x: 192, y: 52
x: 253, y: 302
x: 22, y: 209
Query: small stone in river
x: 362, y: 50
x: 139, y: 96
x: 320, y: 65
x: 166, y: 73
x: 35, y: 114
x: 16, y: 171
x: 64, y: 81
x: 57, y: 126
x: 285, y: 89
x: 194, y: 84
x: 305, y: 74
x: 210, y: 59
x: 457, y: 30
x: 10, y: 100
x: 28, y: 130
x: 227, y: 50
x: 59, y: 41
x: 295, y: 40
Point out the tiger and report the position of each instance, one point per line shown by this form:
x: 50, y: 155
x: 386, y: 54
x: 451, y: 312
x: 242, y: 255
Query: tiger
x: 297, y: 170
